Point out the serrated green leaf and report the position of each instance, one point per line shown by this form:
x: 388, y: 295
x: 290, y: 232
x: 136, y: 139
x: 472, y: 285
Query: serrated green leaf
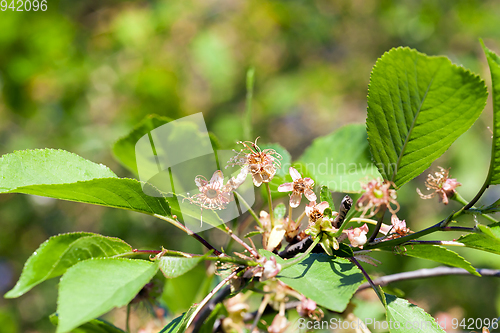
x: 326, y: 195
x: 47, y: 166
x: 93, y: 287
x: 60, y: 252
x: 494, y: 64
x: 309, y: 276
x: 405, y: 317
x: 439, y: 254
x: 173, y: 267
x: 124, y: 148
x: 340, y: 160
x: 93, y: 326
x: 417, y: 107
x: 486, y: 239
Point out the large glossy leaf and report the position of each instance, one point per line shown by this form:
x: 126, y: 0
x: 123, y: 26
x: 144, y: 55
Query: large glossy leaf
x: 340, y: 160
x: 494, y: 63
x: 405, y: 317
x: 327, y: 281
x: 439, y: 254
x: 486, y: 239
x: 47, y: 166
x: 124, y: 148
x: 93, y: 287
x: 417, y: 107
x: 60, y: 252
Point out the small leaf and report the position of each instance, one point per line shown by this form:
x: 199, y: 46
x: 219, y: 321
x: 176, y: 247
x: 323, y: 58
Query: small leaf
x: 309, y: 278
x: 93, y: 326
x: 439, y: 254
x: 408, y: 318
x: 340, y: 160
x: 253, y: 233
x: 486, y: 239
x: 93, y: 287
x: 417, y: 107
x: 178, y: 325
x: 173, y: 267
x: 326, y: 195
x: 279, y: 211
x: 60, y: 252
x: 124, y: 148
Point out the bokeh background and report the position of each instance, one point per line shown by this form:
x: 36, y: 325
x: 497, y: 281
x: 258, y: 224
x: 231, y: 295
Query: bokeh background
x: 82, y: 74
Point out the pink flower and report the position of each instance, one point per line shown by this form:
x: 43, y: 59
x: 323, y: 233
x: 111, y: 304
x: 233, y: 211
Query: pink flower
x: 308, y: 308
x: 298, y: 187
x: 315, y: 211
x: 279, y: 324
x: 271, y: 269
x: 213, y: 194
x: 441, y: 184
x: 376, y: 195
x: 262, y: 164
x: 357, y: 236
x: 397, y: 229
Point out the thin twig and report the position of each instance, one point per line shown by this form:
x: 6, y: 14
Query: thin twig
x: 426, y: 273
x: 344, y: 208
x: 370, y: 282
x: 380, y: 214
x: 250, y: 210
x: 270, y: 201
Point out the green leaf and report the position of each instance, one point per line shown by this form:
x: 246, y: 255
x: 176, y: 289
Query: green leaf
x: 60, y: 252
x: 253, y: 233
x: 485, y: 239
x: 93, y: 326
x: 408, y: 318
x: 494, y: 64
x: 121, y: 193
x: 439, y: 254
x: 326, y: 195
x: 340, y: 160
x: 173, y: 267
x: 178, y: 325
x: 328, y: 281
x: 95, y: 286
x: 417, y: 107
x: 124, y: 148
x: 47, y: 166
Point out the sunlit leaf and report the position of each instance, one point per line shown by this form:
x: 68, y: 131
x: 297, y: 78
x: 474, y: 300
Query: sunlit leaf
x: 417, y: 107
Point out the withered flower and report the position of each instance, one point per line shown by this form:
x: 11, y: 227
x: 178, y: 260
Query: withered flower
x: 441, y: 184
x: 376, y: 195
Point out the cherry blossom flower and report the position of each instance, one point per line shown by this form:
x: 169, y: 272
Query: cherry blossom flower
x: 271, y: 269
x: 262, y: 164
x: 298, y: 187
x: 213, y: 194
x: 279, y: 324
x: 397, y: 228
x: 357, y: 236
x: 315, y: 211
x: 308, y: 308
x: 377, y: 194
x: 441, y: 184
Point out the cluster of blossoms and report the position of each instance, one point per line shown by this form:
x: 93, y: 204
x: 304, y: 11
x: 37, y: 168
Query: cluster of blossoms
x: 323, y: 223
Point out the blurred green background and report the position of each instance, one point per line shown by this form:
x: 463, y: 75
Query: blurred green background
x: 83, y: 73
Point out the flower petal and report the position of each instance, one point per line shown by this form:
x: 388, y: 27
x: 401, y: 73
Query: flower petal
x: 295, y: 199
x: 322, y: 206
x: 308, y: 181
x: 294, y: 174
x: 217, y: 180
x: 286, y: 187
x: 200, y: 182
x: 310, y: 195
x: 257, y: 179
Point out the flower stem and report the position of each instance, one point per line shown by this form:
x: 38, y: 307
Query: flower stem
x: 377, y: 291
x: 270, y: 201
x: 303, y: 256
x: 245, y: 245
x: 127, y: 319
x: 250, y: 210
